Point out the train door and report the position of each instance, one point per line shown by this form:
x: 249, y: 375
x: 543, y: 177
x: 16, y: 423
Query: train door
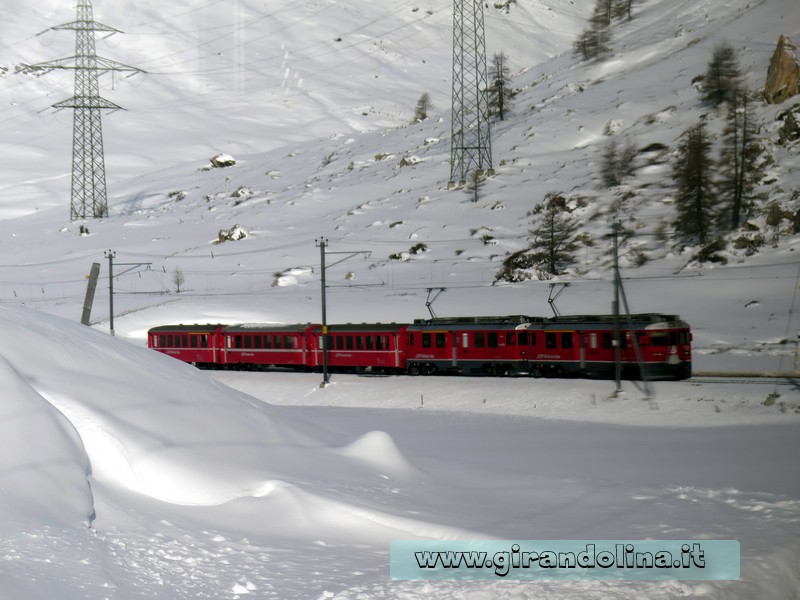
x: 569, y: 345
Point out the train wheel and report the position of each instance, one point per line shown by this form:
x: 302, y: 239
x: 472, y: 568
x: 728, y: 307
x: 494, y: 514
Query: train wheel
x: 413, y: 370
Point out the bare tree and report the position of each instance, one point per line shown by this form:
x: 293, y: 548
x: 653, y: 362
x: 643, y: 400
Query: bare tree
x: 178, y: 279
x: 740, y: 164
x: 500, y: 92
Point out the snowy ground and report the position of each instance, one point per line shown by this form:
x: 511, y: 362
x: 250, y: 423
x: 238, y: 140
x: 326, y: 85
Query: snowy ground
x: 124, y: 475
x: 153, y: 480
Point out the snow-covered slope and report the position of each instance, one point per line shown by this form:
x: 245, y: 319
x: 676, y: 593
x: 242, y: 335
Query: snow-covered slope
x: 321, y: 132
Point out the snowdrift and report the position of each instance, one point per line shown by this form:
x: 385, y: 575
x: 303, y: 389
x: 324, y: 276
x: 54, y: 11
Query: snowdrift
x: 154, y: 426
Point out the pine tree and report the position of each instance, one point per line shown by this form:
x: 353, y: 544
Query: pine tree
x: 694, y: 199
x: 622, y: 8
x: 740, y: 167
x: 617, y: 164
x: 500, y: 92
x: 421, y: 109
x: 608, y: 166
x: 554, y: 244
x: 595, y: 41
x: 723, y: 77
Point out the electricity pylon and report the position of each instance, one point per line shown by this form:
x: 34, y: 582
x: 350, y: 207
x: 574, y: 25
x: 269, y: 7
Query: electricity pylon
x: 88, y: 161
x: 470, y: 142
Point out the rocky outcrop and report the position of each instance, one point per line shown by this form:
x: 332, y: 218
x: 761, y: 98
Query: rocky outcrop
x: 783, y: 76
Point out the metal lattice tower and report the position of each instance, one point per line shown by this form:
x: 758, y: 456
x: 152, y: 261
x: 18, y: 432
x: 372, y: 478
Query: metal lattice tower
x: 88, y: 161
x: 470, y: 145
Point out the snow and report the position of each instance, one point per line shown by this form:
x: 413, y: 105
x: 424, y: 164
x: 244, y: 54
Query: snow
x: 124, y: 474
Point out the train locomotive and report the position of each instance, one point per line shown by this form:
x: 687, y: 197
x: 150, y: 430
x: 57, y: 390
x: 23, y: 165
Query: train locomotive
x: 651, y: 346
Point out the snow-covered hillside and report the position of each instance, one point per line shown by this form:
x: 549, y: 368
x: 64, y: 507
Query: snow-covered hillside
x: 321, y: 132
x: 124, y: 475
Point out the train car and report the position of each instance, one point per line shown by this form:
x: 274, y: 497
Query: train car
x: 365, y: 347
x: 256, y: 346
x: 199, y: 345
x: 471, y: 345
x: 653, y: 345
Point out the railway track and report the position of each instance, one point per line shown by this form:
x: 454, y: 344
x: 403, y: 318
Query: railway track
x: 746, y: 378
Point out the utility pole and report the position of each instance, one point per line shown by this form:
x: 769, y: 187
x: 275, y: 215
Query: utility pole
x: 322, y: 244
x: 615, y: 309
x: 88, y: 194
x: 470, y: 141
x: 110, y: 254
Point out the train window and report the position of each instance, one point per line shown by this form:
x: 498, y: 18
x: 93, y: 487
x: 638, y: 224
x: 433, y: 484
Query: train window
x: 237, y: 341
x: 348, y: 342
x: 608, y: 340
x: 510, y: 341
x: 410, y: 339
x: 426, y: 340
x: 524, y: 338
x: 290, y: 342
x: 684, y: 337
x: 465, y: 340
x: 169, y: 341
x: 480, y: 340
x: 370, y: 342
x: 268, y: 341
x: 185, y: 341
x: 359, y: 342
x: 550, y: 340
x: 193, y: 341
x: 658, y: 338
x: 278, y: 342
x: 339, y: 341
x: 248, y: 341
x: 257, y: 341
x: 492, y: 339
x: 441, y: 340
x: 380, y: 342
x: 204, y: 340
x: 566, y: 340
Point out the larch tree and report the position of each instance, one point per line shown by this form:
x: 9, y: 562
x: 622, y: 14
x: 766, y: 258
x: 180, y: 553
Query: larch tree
x: 740, y: 165
x: 693, y: 172
x: 500, y: 91
x: 554, y: 235
x: 722, y: 78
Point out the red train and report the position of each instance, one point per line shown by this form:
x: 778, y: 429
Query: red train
x: 581, y: 346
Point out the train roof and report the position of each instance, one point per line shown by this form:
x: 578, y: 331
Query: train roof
x: 636, y: 318
x: 190, y: 328
x: 496, y: 320
x: 267, y: 327
x: 364, y: 327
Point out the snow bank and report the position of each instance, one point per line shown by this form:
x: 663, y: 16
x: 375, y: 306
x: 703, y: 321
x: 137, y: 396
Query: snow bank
x: 43, y: 467
x: 157, y: 427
